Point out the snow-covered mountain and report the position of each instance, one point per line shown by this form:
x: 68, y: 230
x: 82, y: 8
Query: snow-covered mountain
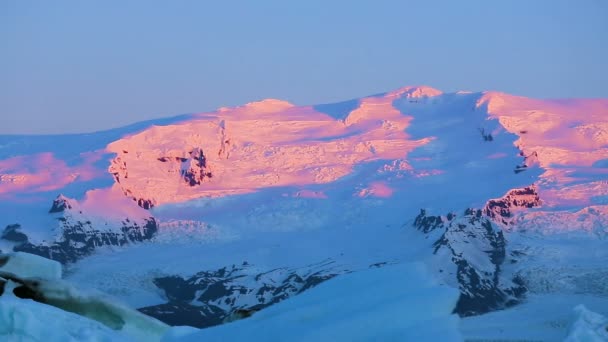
x: 78, y: 234
x: 197, y: 218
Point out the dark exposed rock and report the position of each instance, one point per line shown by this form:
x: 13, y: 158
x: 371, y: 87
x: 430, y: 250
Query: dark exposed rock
x: 182, y: 313
x: 212, y: 297
x: 427, y: 224
x: 486, y: 136
x: 141, y: 202
x: 144, y: 203
x: 78, y: 236
x: 190, y: 166
x: 60, y: 204
x: 195, y: 170
x: 80, y: 239
x: 118, y: 169
x: 3, y: 259
x: 529, y: 160
x: 520, y: 168
x: 239, y: 314
x: 478, y: 250
x: 13, y: 233
x: 501, y: 210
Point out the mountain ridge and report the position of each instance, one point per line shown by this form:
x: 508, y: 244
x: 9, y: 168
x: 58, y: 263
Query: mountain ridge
x: 283, y: 186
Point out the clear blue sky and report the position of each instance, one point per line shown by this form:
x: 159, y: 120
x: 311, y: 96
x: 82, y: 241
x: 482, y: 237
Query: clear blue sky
x: 78, y: 66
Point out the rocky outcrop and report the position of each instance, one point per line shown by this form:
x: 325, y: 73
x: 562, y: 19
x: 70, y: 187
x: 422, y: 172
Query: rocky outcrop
x: 79, y: 235
x: 13, y: 233
x: 80, y: 239
x: 194, y: 170
x: 118, y: 169
x: 472, y: 252
x: 212, y: 297
x: 60, y: 204
x: 501, y: 210
x: 529, y: 160
x: 191, y: 166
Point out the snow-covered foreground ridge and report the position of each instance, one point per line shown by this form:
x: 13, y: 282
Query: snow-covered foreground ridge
x: 394, y: 303
x: 36, y: 305
x: 193, y: 219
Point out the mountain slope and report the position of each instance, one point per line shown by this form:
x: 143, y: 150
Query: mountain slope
x: 282, y: 187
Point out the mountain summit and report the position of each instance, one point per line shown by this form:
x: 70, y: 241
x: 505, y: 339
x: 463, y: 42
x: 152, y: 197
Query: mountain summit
x: 204, y: 218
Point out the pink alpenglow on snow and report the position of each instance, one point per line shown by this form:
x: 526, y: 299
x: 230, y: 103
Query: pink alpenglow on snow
x: 263, y: 144
x: 567, y: 138
x: 561, y: 132
x: 272, y: 143
x: 111, y: 203
x: 41, y: 172
x: 377, y: 189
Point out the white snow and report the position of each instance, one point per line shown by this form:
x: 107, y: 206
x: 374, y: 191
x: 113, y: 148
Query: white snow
x: 588, y: 326
x: 341, y: 182
x: 542, y: 317
x: 393, y: 303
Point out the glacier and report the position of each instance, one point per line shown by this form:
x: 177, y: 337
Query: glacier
x: 197, y: 218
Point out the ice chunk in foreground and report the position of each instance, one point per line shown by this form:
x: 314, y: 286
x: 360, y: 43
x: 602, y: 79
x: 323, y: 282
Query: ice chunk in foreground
x: 27, y: 265
x: 36, y: 305
x: 588, y: 326
x: 27, y: 320
x: 392, y: 303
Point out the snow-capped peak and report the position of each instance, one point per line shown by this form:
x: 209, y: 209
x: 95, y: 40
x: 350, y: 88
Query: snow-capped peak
x: 60, y: 204
x: 281, y: 186
x: 415, y: 92
x: 258, y: 107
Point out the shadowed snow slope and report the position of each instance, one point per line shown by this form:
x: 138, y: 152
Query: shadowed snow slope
x: 237, y: 207
x: 393, y: 303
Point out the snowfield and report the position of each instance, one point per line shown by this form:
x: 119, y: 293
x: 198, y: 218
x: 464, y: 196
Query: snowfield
x: 265, y: 208
x: 393, y: 303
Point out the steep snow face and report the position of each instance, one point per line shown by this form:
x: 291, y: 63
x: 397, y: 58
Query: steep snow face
x: 418, y: 132
x: 283, y: 187
x: 388, y: 304
x: 469, y: 253
x: 569, y: 139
